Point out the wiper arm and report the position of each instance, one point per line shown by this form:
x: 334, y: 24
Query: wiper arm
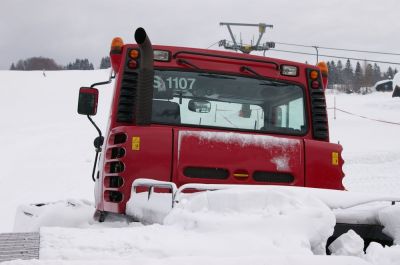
x: 217, y: 76
x: 250, y: 70
x: 184, y: 61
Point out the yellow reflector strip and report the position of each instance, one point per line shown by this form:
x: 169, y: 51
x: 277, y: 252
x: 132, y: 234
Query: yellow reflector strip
x: 335, y: 158
x: 241, y: 175
x: 135, y: 143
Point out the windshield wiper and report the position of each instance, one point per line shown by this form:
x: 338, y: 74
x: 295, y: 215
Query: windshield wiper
x: 218, y: 76
x: 184, y: 61
x: 250, y: 70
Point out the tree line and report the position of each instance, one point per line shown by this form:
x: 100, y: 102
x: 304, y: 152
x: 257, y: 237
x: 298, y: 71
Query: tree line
x: 353, y: 79
x: 343, y: 77
x: 43, y: 63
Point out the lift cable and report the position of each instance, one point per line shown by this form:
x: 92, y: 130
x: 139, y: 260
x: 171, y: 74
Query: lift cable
x: 336, y: 49
x: 337, y: 57
x: 212, y: 45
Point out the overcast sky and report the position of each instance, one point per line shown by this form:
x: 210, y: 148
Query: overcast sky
x: 70, y: 29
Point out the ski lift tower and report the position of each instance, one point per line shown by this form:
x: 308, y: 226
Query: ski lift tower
x: 234, y: 45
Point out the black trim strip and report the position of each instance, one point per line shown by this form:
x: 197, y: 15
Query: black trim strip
x: 206, y: 173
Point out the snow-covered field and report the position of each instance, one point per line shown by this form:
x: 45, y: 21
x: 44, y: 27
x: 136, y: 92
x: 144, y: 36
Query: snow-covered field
x: 47, y: 155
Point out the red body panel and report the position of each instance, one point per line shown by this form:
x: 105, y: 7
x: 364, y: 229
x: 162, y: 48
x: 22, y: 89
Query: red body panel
x: 323, y: 167
x: 164, y: 152
x: 150, y: 159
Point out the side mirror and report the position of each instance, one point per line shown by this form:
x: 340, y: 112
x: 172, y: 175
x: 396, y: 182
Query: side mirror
x: 87, y: 103
x: 201, y: 106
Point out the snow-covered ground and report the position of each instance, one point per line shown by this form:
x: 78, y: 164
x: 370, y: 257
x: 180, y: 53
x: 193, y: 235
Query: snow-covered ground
x: 47, y: 156
x: 371, y: 148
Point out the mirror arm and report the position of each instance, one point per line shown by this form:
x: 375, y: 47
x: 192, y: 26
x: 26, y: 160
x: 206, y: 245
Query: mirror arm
x: 95, y: 125
x: 104, y: 82
x: 101, y: 83
x: 98, y: 145
x: 98, y: 142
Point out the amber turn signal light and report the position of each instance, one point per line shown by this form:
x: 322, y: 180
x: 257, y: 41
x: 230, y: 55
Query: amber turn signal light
x: 133, y: 54
x: 314, y: 74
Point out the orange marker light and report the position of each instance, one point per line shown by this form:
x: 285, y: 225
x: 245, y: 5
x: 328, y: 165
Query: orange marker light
x: 116, y: 44
x: 134, y: 54
x: 314, y: 74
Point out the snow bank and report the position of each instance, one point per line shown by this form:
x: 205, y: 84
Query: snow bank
x: 378, y: 255
x: 149, y: 210
x: 70, y: 213
x: 390, y: 219
x: 224, y: 223
x: 278, y: 220
x: 348, y: 244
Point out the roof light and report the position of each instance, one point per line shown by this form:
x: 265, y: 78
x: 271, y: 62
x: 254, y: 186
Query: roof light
x: 289, y: 70
x: 323, y: 67
x: 116, y: 45
x: 161, y: 56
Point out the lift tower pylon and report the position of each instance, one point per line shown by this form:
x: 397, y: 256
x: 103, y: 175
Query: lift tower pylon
x: 234, y: 45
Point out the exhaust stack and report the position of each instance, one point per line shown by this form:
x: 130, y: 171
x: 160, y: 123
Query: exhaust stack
x: 144, y: 99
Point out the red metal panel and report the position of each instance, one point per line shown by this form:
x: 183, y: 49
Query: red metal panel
x: 237, y: 152
x: 148, y: 154
x: 323, y: 168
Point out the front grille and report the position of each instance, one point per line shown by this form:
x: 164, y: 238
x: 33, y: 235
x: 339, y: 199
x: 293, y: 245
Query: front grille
x: 319, y: 117
x: 114, y: 181
x: 113, y: 196
x: 127, y: 97
x: 117, y: 152
x: 116, y: 167
x: 120, y: 138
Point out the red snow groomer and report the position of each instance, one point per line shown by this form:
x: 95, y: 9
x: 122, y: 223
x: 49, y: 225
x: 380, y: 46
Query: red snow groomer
x: 185, y: 115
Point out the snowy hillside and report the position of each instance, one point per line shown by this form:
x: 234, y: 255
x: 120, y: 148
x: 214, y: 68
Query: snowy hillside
x: 47, y: 155
x: 47, y: 148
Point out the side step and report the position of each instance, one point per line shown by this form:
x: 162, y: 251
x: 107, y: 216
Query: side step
x: 19, y: 246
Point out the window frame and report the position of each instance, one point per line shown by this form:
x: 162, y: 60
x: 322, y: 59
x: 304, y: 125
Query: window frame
x: 302, y: 87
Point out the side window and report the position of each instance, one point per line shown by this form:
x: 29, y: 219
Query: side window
x: 289, y: 115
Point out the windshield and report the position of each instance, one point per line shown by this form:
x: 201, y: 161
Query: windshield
x: 226, y: 101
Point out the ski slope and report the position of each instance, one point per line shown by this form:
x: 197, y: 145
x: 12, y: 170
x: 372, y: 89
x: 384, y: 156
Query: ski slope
x: 47, y: 156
